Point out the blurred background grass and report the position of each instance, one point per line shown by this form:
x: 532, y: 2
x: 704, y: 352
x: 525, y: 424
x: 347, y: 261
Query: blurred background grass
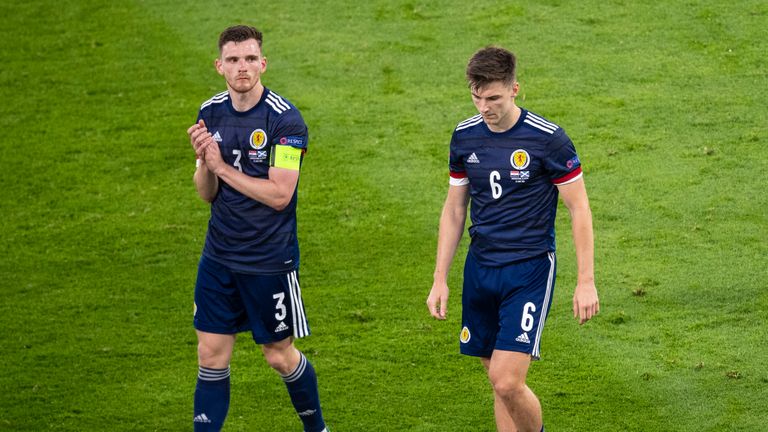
x: 102, y: 227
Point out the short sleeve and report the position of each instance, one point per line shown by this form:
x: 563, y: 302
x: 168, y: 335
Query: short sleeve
x: 563, y: 164
x: 290, y: 130
x: 456, y: 169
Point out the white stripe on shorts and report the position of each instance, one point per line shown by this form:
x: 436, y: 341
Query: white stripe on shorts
x: 300, y: 327
x: 545, y: 306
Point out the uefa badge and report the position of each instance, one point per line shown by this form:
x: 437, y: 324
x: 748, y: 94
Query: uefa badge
x: 258, y: 139
x: 464, y: 337
x: 520, y: 159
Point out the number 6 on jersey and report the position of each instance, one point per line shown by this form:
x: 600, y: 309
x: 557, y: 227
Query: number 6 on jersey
x: 495, y: 187
x: 527, y: 322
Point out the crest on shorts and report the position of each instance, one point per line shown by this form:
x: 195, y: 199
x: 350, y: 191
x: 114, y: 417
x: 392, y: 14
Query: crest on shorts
x: 520, y: 159
x: 465, y: 336
x: 258, y: 139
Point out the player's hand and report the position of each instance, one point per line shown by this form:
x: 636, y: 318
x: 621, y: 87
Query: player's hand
x: 200, y: 138
x: 585, y: 302
x: 437, y: 302
x: 212, y: 157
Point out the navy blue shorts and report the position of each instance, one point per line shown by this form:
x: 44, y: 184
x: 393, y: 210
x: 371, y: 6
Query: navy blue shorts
x: 505, y: 308
x: 227, y: 302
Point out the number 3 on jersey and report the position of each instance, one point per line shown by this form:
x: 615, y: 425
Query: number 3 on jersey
x: 237, y: 154
x: 280, y: 307
x: 495, y: 187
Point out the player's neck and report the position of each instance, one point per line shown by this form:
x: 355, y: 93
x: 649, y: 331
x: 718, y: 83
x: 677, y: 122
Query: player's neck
x: 508, y: 122
x: 242, y: 102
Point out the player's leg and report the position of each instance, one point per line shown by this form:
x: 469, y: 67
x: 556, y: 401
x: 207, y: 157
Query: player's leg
x: 213, y: 384
x: 214, y: 350
x: 480, y: 318
x: 282, y: 356
x: 300, y: 381
x: 527, y: 288
x: 504, y: 422
x: 276, y: 316
x: 507, y: 371
x: 217, y: 314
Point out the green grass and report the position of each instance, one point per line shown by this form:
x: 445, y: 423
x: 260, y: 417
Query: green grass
x: 102, y: 228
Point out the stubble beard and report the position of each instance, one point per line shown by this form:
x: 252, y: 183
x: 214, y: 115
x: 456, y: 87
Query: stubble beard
x: 242, y: 87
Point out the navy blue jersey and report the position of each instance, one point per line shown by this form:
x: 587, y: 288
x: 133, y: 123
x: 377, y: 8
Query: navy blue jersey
x: 244, y: 234
x: 513, y: 178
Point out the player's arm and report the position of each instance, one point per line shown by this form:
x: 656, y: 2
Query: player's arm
x: 276, y: 191
x: 206, y: 182
x: 452, y: 222
x: 585, y: 301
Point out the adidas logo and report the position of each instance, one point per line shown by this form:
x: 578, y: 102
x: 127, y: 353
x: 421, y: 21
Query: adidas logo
x: 217, y: 137
x: 523, y: 338
x: 473, y: 159
x: 281, y: 327
x: 202, y: 418
x: 306, y: 413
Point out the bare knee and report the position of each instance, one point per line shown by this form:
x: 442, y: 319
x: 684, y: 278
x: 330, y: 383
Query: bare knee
x: 282, y: 357
x: 508, y: 387
x: 507, y: 371
x: 214, y: 351
x: 208, y: 356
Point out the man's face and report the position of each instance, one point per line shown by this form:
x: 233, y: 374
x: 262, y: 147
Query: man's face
x: 241, y: 64
x: 496, y: 103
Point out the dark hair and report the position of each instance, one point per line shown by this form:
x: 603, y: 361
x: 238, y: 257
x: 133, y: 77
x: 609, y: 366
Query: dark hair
x: 239, y: 33
x: 491, y: 64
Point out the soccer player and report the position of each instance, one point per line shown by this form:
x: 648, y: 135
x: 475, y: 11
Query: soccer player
x: 511, y: 164
x: 249, y: 143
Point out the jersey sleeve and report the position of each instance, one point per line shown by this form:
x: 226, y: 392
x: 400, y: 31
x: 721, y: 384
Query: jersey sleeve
x: 290, y: 130
x: 204, y: 113
x: 563, y: 164
x: 289, y: 141
x: 456, y: 169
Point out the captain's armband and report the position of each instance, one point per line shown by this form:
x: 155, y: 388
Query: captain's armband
x: 285, y: 156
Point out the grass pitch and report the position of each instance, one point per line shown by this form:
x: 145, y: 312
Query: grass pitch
x: 102, y: 228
